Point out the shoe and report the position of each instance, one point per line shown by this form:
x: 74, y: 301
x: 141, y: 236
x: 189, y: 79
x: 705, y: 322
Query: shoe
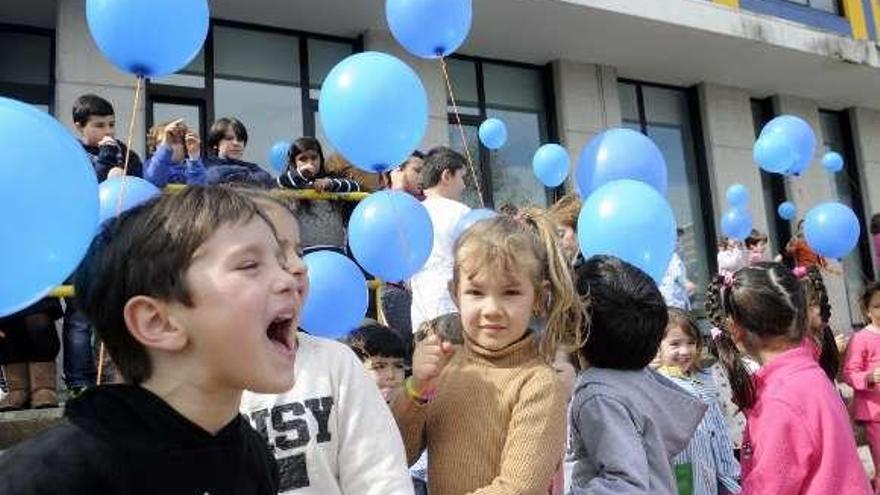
x: 18, y: 382
x: 43, y: 385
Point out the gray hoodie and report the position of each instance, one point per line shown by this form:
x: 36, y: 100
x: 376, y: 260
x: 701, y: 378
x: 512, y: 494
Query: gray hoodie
x: 625, y: 427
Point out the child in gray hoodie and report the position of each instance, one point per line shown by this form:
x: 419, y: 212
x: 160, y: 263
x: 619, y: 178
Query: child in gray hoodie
x: 626, y: 422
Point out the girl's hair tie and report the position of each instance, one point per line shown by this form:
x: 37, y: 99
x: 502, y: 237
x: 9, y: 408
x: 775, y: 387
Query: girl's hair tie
x: 727, y: 278
x: 800, y: 272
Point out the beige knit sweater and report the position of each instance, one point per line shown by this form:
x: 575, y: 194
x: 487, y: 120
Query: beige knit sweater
x: 496, y: 426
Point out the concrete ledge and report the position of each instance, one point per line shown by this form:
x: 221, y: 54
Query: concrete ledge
x: 17, y: 426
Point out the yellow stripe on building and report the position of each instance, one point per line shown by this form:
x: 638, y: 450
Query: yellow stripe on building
x: 854, y: 11
x: 734, y: 4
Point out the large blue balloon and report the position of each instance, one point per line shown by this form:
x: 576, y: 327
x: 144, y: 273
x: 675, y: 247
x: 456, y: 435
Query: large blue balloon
x: 278, y: 156
x: 831, y: 229
x: 736, y: 223
x: 391, y: 235
x: 135, y: 192
x: 833, y: 162
x: 338, y: 296
x: 737, y: 196
x: 470, y: 219
x: 632, y: 221
x: 493, y: 133
x: 550, y: 165
x: 773, y: 154
x: 799, y: 136
x: 429, y: 28
x: 621, y: 154
x: 787, y: 210
x: 50, y: 204
x: 150, y: 38
x: 374, y: 110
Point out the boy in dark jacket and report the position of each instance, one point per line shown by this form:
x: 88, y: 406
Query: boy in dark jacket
x: 95, y: 123
x: 227, y: 141
x: 213, y: 312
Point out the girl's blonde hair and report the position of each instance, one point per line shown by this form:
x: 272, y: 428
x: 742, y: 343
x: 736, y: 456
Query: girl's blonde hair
x: 528, y: 241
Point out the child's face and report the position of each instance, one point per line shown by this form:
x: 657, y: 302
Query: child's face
x: 873, y: 309
x: 231, y: 146
x: 565, y: 372
x: 408, y: 177
x: 569, y: 240
x: 455, y: 183
x: 388, y: 372
x: 495, y: 309
x: 678, y: 349
x: 308, y: 163
x: 245, y: 308
x: 97, y: 128
x: 759, y: 247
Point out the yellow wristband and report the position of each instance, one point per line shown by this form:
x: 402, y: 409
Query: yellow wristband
x: 412, y: 393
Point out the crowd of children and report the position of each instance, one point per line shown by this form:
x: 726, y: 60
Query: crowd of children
x: 508, y: 365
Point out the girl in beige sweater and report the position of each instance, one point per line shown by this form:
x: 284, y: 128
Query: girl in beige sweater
x: 492, y: 414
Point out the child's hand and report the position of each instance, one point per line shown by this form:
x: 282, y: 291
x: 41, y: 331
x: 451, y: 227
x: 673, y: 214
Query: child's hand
x: 429, y: 359
x: 115, y: 172
x: 193, y: 145
x: 108, y: 141
x: 321, y: 185
x: 874, y: 377
x: 173, y: 132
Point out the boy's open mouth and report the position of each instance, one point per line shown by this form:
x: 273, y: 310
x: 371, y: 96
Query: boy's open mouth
x: 280, y: 332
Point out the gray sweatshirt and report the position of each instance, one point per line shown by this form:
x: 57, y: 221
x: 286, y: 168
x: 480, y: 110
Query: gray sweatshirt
x: 625, y: 427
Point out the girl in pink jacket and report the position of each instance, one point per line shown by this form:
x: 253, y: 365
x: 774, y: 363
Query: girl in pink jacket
x: 861, y: 370
x: 798, y: 439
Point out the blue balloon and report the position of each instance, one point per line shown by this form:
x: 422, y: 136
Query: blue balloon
x: 278, y: 156
x: 737, y: 196
x: 831, y: 229
x: 429, y: 28
x: 632, y: 221
x: 773, y: 154
x: 621, y: 154
x: 493, y: 133
x: 470, y: 219
x: 135, y: 192
x: 551, y: 165
x: 736, y: 223
x: 148, y: 38
x: 338, y: 297
x: 391, y: 235
x: 787, y: 210
x: 374, y: 110
x: 833, y: 162
x: 50, y: 204
x: 799, y: 136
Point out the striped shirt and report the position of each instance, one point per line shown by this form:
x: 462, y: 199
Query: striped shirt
x: 710, y: 451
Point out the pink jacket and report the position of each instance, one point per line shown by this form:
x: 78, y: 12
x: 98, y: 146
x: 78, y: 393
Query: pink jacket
x: 862, y: 356
x: 798, y: 439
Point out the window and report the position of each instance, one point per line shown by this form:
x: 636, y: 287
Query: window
x: 666, y: 115
x: 517, y: 94
x: 830, y: 6
x: 268, y: 78
x: 837, y: 136
x: 772, y: 185
x: 27, y: 65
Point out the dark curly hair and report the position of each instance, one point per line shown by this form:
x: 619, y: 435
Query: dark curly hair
x: 817, y: 295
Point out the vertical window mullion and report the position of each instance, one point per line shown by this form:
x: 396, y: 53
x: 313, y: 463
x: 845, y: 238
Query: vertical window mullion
x: 308, y: 115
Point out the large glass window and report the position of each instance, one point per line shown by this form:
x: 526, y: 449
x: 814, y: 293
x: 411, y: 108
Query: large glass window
x: 837, y: 136
x: 830, y: 6
x: 517, y: 95
x: 666, y: 116
x: 27, y: 65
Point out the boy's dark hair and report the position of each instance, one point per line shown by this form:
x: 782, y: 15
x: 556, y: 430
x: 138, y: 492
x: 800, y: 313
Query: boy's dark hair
x: 372, y: 339
x: 870, y: 290
x: 301, y: 145
x: 627, y: 314
x: 218, y: 132
x: 875, y: 224
x: 437, y: 161
x: 90, y: 105
x: 755, y: 237
x: 147, y: 251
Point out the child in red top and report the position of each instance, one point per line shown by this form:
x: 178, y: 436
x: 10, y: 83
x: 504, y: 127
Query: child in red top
x: 861, y: 370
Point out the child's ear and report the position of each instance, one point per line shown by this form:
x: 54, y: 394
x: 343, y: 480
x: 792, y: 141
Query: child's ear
x: 150, y: 323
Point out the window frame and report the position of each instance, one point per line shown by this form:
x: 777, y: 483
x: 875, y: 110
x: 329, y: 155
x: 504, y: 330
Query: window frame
x: 31, y: 93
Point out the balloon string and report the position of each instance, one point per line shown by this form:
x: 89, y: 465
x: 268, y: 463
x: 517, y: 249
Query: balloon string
x: 121, y: 199
x: 467, y: 150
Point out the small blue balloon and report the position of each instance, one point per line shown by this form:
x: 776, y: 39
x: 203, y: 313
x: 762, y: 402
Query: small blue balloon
x: 551, y: 164
x: 338, y: 297
x: 773, y: 154
x: 135, y: 192
x: 391, y: 235
x: 613, y: 214
x: 470, y: 219
x: 278, y: 156
x: 148, y: 38
x: 831, y: 229
x: 621, y: 154
x: 493, y: 133
x: 787, y: 210
x: 737, y: 196
x: 799, y: 136
x: 429, y: 28
x: 736, y: 223
x: 374, y: 110
x: 833, y: 162
x: 50, y: 204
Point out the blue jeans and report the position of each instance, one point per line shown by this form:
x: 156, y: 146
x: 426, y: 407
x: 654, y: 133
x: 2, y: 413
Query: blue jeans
x: 79, y: 355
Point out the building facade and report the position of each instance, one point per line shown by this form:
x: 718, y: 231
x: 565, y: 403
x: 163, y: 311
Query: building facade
x: 699, y: 77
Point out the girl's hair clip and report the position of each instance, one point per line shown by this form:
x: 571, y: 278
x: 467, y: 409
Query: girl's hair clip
x: 800, y: 272
x: 715, y: 332
x: 727, y: 278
